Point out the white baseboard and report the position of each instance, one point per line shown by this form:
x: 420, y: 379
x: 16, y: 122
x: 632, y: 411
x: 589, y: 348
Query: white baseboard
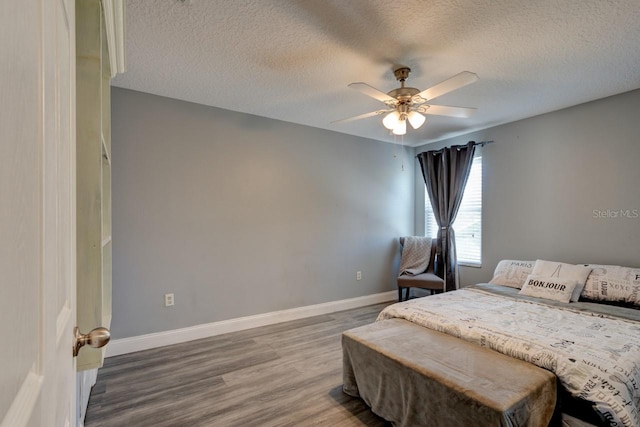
x: 175, y: 336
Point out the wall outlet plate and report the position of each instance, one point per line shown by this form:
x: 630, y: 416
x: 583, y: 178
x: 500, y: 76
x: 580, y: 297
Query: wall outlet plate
x: 358, y: 275
x: 168, y: 300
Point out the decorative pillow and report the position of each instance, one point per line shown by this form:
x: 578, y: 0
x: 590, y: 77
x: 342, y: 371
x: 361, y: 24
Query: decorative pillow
x: 511, y: 273
x: 613, y: 283
x: 548, y: 287
x: 560, y: 270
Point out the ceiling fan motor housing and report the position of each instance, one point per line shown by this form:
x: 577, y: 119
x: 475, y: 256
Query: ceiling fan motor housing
x: 403, y: 94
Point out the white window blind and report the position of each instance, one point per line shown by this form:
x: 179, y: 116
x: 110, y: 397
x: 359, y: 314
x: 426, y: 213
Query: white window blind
x: 468, y: 224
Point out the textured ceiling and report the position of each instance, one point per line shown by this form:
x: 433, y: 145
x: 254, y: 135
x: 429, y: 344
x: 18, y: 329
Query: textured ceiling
x: 292, y: 60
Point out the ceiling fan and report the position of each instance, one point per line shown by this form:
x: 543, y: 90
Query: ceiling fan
x: 410, y: 104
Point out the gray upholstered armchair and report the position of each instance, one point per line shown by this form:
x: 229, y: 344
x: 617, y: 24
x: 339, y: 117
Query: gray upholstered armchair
x: 426, y: 280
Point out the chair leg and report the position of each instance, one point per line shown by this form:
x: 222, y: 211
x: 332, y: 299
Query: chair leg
x: 399, y: 294
x: 406, y: 298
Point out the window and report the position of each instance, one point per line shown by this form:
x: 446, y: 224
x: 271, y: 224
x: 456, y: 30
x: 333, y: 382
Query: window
x: 468, y: 224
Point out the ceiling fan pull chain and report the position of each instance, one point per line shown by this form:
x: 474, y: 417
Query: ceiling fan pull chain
x: 402, y: 153
x: 395, y: 146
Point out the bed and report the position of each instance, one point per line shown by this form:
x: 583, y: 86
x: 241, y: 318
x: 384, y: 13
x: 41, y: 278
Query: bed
x: 593, y: 349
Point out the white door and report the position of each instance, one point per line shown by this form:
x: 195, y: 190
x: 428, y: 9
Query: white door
x: 37, y: 212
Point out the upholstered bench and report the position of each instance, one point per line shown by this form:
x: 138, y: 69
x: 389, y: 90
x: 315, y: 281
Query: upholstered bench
x: 413, y: 376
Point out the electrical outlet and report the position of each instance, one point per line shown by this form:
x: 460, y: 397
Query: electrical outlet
x: 358, y: 275
x: 168, y: 300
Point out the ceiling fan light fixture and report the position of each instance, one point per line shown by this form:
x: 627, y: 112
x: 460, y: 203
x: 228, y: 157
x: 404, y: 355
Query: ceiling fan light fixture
x: 391, y: 120
x: 401, y: 128
x: 416, y: 119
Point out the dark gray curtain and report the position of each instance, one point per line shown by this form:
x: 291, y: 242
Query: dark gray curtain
x: 445, y: 174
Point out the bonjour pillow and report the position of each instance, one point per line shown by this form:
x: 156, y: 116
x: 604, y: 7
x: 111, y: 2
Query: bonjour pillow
x: 560, y: 270
x: 511, y: 273
x: 613, y: 283
x: 548, y: 287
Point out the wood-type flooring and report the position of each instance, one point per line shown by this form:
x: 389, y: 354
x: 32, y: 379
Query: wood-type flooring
x: 288, y: 374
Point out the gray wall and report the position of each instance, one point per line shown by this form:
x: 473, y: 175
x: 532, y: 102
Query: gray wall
x: 545, y: 176
x: 240, y: 215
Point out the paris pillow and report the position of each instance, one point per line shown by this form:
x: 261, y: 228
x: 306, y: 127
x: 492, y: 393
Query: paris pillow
x: 613, y: 283
x: 511, y: 273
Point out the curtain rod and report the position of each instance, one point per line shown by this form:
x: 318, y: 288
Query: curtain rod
x: 483, y: 143
x: 475, y: 144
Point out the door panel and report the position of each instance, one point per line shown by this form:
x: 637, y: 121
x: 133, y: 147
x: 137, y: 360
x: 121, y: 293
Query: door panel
x: 20, y: 199
x: 37, y: 212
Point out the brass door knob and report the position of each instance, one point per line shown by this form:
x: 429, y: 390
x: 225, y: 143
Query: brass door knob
x: 97, y: 338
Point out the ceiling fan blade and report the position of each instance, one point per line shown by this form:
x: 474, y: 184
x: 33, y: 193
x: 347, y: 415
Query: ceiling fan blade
x: 374, y: 93
x: 449, y: 85
x: 363, y: 116
x: 443, y: 110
